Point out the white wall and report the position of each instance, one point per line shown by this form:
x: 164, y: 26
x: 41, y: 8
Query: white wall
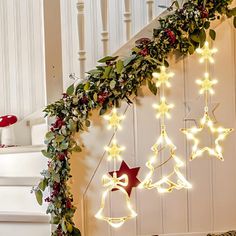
x: 211, y: 204
x: 21, y: 57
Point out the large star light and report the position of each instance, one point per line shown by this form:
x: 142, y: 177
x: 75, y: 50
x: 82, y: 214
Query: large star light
x: 220, y: 133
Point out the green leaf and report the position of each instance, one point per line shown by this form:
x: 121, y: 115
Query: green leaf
x: 87, y: 86
x: 49, y: 135
x: 102, y: 111
x: 39, y: 197
x: 63, y: 225
x: 195, y: 37
x: 128, y: 60
x: 59, y: 138
x: 72, y: 125
x: 55, y: 220
x: 108, y: 58
x: 235, y: 22
x: 95, y: 97
x: 202, y: 36
x: 76, y: 232
x: 43, y: 184
x: 152, y: 87
x: 70, y: 89
x: 69, y: 227
x: 112, y: 84
x: 107, y: 72
x: 87, y: 123
x: 233, y: 11
x: 46, y: 154
x: 191, y: 49
x: 212, y: 34
x: 176, y: 4
x: 119, y: 66
x: 207, y: 25
x: 77, y: 148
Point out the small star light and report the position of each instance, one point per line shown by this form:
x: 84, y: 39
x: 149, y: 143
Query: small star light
x: 163, y: 108
x: 114, y: 151
x: 162, y: 77
x: 206, y: 53
x: 206, y: 122
x: 114, y: 119
x: 206, y: 84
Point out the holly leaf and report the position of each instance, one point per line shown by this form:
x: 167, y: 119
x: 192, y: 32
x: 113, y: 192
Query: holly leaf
x: 59, y: 138
x: 202, y: 36
x: 112, y: 84
x: 108, y: 58
x: 107, y: 72
x: 70, y: 90
x: 128, y: 60
x: 152, y: 87
x: 46, y: 154
x: 43, y: 184
x: 212, y: 34
x: 39, y: 197
x: 102, y: 111
x: 235, y: 22
x: 119, y: 66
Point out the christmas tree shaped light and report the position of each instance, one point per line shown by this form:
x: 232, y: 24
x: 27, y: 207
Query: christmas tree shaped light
x: 174, y: 179
x: 121, y: 180
x: 206, y: 122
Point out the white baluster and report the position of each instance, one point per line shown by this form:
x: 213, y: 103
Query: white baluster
x: 82, y: 53
x: 150, y: 9
x: 105, y: 34
x: 127, y: 19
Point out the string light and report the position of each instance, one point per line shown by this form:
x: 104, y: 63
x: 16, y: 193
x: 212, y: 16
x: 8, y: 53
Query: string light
x: 113, y: 182
x: 206, y: 122
x: 206, y: 84
x: 163, y: 108
x: 166, y: 183
x: 162, y: 77
x: 114, y: 151
x: 114, y: 119
x: 206, y: 53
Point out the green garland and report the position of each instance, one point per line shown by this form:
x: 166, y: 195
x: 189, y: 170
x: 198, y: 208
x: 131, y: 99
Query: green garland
x: 113, y: 81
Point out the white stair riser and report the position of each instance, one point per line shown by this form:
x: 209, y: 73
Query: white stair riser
x: 22, y: 164
x: 24, y: 229
x: 38, y: 132
x: 19, y: 199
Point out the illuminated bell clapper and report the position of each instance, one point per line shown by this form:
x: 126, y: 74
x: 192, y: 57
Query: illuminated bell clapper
x: 114, y: 119
x: 206, y: 53
x: 206, y: 122
x: 206, y: 84
x: 162, y: 77
x: 119, y: 183
x: 163, y: 108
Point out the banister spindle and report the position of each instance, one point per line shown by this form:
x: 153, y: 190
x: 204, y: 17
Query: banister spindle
x: 105, y: 34
x: 82, y: 53
x: 127, y: 19
x: 150, y: 9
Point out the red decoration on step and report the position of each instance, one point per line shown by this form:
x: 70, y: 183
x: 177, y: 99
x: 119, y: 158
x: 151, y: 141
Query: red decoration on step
x: 7, y: 120
x: 132, y: 176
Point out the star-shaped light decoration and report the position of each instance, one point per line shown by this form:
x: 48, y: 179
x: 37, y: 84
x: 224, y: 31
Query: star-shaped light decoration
x: 114, y: 151
x: 206, y: 122
x: 132, y: 173
x: 163, y: 109
x: 162, y: 77
x: 165, y: 184
x: 206, y: 53
x: 114, y: 119
x: 206, y: 84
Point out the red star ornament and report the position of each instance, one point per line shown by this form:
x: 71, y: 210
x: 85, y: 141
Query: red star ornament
x: 132, y: 176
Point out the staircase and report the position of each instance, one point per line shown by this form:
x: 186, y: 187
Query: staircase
x: 20, y: 170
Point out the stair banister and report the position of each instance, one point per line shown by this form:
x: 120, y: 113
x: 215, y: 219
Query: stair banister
x: 127, y: 19
x: 150, y: 10
x: 81, y: 26
x: 105, y: 34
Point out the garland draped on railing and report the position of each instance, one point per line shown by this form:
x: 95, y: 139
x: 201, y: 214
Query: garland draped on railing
x: 113, y: 81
